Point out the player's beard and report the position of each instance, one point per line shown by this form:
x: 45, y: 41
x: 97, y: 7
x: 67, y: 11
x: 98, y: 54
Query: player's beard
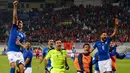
x: 104, y: 39
x: 28, y: 49
x: 51, y: 46
x: 19, y: 29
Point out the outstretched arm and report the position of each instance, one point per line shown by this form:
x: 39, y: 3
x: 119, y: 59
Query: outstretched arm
x: 115, y: 28
x: 120, y: 56
x: 15, y: 4
x: 92, y: 49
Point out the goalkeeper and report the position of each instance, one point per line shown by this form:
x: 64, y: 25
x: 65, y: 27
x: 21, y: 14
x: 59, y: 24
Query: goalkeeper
x: 58, y: 59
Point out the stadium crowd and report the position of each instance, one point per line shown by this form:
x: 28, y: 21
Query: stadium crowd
x: 77, y: 23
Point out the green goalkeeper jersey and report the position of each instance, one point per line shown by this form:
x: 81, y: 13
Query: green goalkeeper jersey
x: 57, y: 58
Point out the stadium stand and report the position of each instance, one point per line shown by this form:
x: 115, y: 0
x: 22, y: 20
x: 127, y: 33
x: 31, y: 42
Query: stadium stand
x: 77, y: 23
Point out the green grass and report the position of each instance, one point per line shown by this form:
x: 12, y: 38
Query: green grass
x: 123, y: 66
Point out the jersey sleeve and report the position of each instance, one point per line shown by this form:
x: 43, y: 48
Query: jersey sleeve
x: 95, y: 59
x: 19, y: 36
x: 22, y: 50
x: 95, y: 45
x: 109, y: 39
x: 24, y: 40
x: 49, y: 55
x: 31, y: 49
x: 43, y: 52
x: 14, y: 28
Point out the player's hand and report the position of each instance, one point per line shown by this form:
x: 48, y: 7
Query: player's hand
x: 46, y: 69
x: 84, y: 72
x: 67, y: 67
x: 15, y: 3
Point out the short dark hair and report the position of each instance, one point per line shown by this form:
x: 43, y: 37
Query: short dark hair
x: 86, y: 44
x: 19, y: 21
x: 58, y: 40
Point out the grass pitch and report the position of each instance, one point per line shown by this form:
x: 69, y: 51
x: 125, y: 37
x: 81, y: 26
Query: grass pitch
x: 123, y: 66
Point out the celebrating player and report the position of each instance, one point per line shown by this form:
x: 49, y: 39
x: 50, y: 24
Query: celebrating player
x: 83, y: 63
x: 73, y: 53
x: 103, y: 50
x: 27, y: 53
x: 113, y: 55
x: 44, y: 53
x: 16, y: 38
x: 58, y: 58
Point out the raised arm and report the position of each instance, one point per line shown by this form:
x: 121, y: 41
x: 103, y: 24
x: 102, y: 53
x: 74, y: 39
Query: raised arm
x: 115, y: 28
x: 15, y: 4
x: 120, y: 56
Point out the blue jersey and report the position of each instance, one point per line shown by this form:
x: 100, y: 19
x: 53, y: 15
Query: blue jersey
x: 44, y: 53
x: 31, y: 49
x: 95, y: 61
x: 27, y: 54
x: 15, y: 35
x: 103, y: 49
x: 113, y: 52
x: 73, y: 50
x: 113, y: 55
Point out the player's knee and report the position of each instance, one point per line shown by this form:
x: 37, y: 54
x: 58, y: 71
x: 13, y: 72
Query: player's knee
x: 18, y: 63
x: 12, y: 65
x: 21, y: 68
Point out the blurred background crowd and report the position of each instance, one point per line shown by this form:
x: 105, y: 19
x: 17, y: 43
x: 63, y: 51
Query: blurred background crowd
x: 76, y: 23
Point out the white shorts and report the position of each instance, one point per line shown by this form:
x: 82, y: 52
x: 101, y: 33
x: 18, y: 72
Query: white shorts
x: 49, y: 68
x: 14, y: 56
x: 99, y: 72
x: 105, y: 65
x: 72, y: 54
x: 28, y: 70
x: 96, y: 71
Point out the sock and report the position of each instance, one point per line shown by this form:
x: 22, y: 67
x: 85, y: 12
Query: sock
x: 12, y: 70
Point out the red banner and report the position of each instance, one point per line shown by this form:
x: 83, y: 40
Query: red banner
x: 68, y: 45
